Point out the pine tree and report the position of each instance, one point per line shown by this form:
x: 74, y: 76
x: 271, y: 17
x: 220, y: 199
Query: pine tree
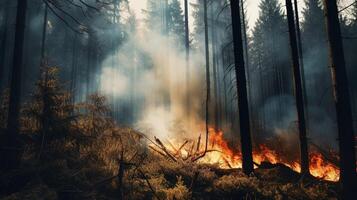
x: 313, y: 32
x: 315, y: 55
x: 154, y: 15
x: 176, y: 22
x: 269, y: 49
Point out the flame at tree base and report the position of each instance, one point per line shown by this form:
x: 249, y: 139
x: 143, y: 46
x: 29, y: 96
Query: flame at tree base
x: 221, y: 154
x: 226, y: 158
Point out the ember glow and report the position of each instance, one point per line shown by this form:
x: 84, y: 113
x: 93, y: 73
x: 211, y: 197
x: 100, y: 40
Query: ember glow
x: 221, y: 154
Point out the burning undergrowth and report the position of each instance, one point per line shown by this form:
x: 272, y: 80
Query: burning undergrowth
x: 323, y: 164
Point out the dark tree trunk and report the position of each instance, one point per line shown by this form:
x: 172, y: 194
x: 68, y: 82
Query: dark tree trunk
x: 246, y: 56
x: 3, y: 44
x: 342, y: 101
x: 121, y: 171
x: 44, y: 33
x: 74, y: 68
x: 301, y: 59
x: 214, y: 68
x: 243, y: 108
x: 208, y: 93
x: 304, y: 154
x: 15, y: 87
x: 90, y: 58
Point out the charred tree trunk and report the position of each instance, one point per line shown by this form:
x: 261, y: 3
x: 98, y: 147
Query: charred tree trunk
x: 15, y: 87
x: 342, y: 101
x: 243, y: 108
x: 304, y: 154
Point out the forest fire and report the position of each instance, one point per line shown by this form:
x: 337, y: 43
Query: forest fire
x: 227, y: 158
x: 220, y: 153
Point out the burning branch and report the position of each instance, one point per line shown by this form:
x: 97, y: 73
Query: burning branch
x: 175, y: 154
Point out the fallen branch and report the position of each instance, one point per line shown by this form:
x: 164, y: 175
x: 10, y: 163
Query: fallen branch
x: 163, y: 148
x: 227, y: 163
x: 157, y: 151
x: 181, y: 147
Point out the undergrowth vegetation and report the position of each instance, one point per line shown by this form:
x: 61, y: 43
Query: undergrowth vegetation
x: 76, y: 151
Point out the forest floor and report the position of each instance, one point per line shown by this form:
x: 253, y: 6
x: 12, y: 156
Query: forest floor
x: 140, y: 173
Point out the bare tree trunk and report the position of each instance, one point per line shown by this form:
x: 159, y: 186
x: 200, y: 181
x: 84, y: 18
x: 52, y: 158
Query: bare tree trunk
x: 342, y: 101
x: 15, y: 87
x: 301, y: 59
x: 90, y: 59
x: 243, y: 106
x: 3, y: 44
x: 214, y: 66
x: 304, y: 155
x: 44, y: 32
x: 187, y: 46
x: 208, y: 93
x: 246, y: 56
x: 74, y: 68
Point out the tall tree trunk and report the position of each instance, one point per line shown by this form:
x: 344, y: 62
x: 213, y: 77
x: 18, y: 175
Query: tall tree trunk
x: 301, y: 59
x: 214, y: 68
x: 187, y: 46
x: 243, y: 108
x: 44, y: 33
x: 208, y: 93
x: 3, y: 44
x: 304, y: 154
x: 15, y: 87
x: 74, y: 68
x: 89, y: 67
x: 342, y: 101
x: 246, y: 56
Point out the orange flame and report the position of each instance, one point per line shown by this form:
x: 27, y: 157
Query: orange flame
x: 225, y: 157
